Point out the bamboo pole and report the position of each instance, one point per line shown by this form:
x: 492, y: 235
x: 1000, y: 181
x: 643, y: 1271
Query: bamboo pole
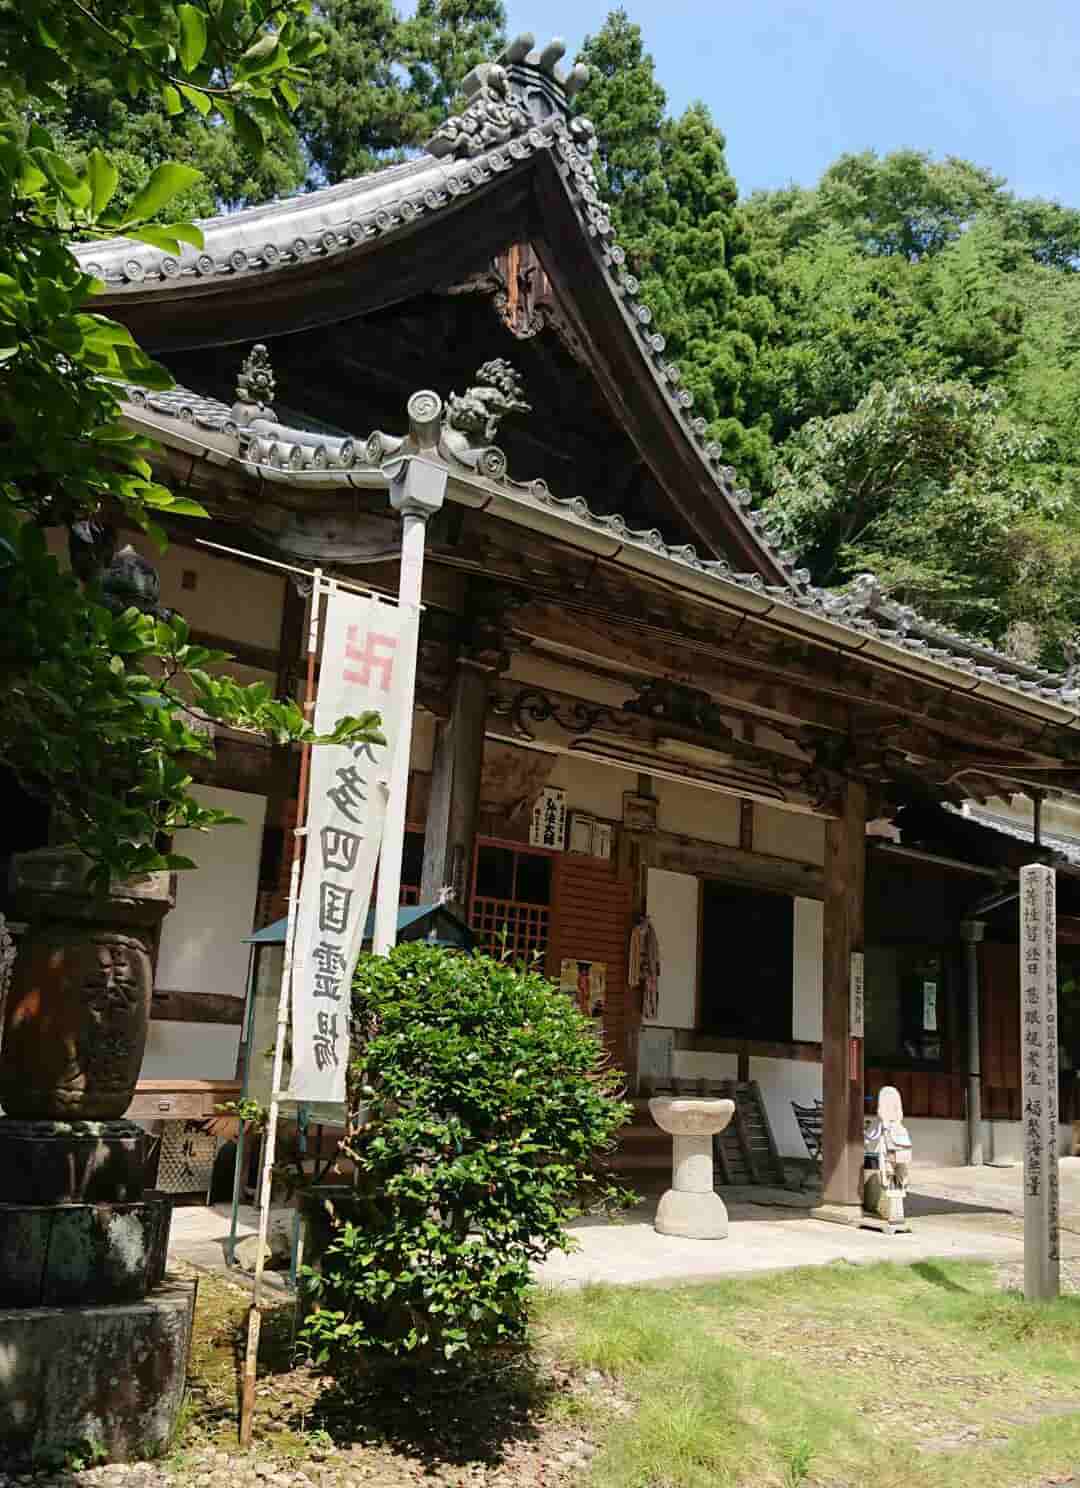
x: 247, y: 1393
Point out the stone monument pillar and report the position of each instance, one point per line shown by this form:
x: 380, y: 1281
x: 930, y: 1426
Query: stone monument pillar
x: 1039, y: 1055
x: 93, y: 1337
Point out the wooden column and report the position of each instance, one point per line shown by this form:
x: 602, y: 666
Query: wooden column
x: 450, y: 834
x: 842, y: 1056
x: 622, y: 1014
x: 283, y: 775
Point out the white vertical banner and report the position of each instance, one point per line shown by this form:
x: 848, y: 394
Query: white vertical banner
x: 1039, y: 1055
x: 364, y: 640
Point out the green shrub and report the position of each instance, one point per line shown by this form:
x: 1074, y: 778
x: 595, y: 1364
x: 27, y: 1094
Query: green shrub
x: 481, y: 1109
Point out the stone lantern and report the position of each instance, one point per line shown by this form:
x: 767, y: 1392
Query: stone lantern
x: 691, y: 1207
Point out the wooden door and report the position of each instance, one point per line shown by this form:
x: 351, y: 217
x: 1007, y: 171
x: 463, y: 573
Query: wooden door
x: 590, y: 921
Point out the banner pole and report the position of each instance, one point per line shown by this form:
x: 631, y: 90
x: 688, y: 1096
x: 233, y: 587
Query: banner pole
x: 388, y: 889
x: 247, y: 1395
x: 238, y: 1160
x: 418, y: 492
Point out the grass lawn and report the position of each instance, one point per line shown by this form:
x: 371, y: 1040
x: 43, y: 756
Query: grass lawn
x: 890, y: 1375
x: 832, y: 1377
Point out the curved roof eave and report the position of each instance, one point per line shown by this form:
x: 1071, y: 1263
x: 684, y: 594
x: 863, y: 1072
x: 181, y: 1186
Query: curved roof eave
x: 860, y: 624
x: 292, y: 264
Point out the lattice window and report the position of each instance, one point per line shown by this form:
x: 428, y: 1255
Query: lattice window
x: 505, y: 928
x: 510, y: 910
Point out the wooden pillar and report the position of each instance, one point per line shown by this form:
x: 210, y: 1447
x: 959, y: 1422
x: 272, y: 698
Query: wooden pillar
x: 842, y: 1055
x: 622, y: 1013
x: 450, y: 834
x: 284, y: 771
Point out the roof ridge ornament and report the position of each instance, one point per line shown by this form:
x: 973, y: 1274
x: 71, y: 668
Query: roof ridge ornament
x: 472, y: 418
x: 255, y: 387
x: 521, y: 89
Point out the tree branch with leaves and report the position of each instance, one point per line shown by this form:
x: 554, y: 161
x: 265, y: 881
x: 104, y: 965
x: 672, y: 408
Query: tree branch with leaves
x: 103, y: 703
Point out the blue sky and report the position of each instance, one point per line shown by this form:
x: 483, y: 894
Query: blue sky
x: 795, y: 85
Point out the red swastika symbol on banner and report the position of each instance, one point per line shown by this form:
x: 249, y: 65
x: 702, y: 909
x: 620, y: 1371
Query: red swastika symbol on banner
x: 369, y: 657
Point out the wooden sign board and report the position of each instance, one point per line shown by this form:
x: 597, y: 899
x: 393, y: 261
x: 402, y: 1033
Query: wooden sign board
x: 857, y: 1011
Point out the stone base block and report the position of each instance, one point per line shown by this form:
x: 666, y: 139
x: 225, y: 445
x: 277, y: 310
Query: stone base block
x: 847, y: 1214
x: 693, y: 1216
x: 72, y: 1162
x: 55, y: 1255
x: 107, y: 1378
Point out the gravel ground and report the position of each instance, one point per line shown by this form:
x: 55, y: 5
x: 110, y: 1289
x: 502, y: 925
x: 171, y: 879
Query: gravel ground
x: 551, y: 1457
x: 1011, y: 1279
x: 548, y: 1461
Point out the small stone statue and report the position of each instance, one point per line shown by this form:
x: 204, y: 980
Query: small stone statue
x: 130, y: 581
x: 888, y: 1159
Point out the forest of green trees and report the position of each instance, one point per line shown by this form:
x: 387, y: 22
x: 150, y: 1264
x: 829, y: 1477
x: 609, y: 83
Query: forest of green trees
x: 891, y: 357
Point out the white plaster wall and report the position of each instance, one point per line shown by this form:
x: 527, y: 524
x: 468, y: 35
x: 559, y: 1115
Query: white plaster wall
x: 937, y: 1143
x: 783, y: 1081
x: 789, y: 834
x: 691, y: 812
x: 1003, y: 1141
x: 806, y: 971
x: 592, y: 787
x: 202, y: 946
x: 229, y: 599
x: 672, y: 901
x: 693, y: 1064
x: 190, y: 1051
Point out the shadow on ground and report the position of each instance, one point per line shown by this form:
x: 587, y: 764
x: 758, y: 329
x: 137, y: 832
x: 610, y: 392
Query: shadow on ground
x: 463, y: 1418
x: 447, y: 1421
x: 930, y: 1271
x: 919, y: 1205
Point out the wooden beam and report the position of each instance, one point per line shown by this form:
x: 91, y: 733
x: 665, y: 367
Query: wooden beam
x: 757, y: 870
x: 197, y: 1007
x: 842, y: 1056
x: 800, y: 1051
x: 240, y: 764
x: 578, y: 633
x: 794, y: 682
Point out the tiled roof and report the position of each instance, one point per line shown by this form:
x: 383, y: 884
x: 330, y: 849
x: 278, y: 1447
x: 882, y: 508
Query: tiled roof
x: 515, y: 109
x: 1067, y: 848
x: 306, y: 458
